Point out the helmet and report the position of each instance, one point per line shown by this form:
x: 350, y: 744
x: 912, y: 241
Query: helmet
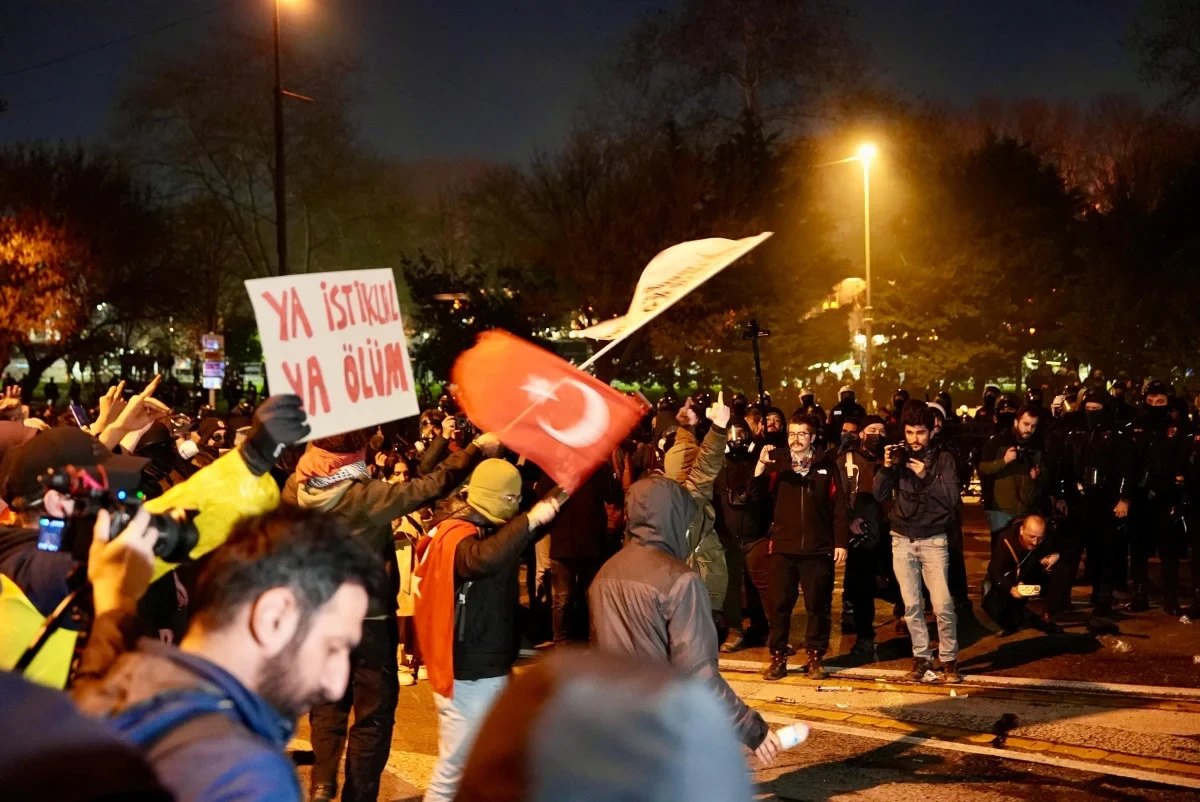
x: 900, y: 398
x: 846, y: 393
x: 1094, y: 395
x: 1156, y: 387
x: 991, y: 390
x: 668, y: 402
x: 808, y: 393
x: 738, y: 404
x: 1006, y: 403
x: 1035, y: 396
x: 944, y: 399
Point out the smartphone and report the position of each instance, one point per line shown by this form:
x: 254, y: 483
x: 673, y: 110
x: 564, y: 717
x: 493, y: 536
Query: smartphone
x: 82, y: 419
x: 50, y: 533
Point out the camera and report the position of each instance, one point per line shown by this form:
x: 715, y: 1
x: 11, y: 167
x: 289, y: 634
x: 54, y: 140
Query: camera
x: 897, y: 453
x: 177, y: 531
x: 1029, y: 455
x: 464, y: 427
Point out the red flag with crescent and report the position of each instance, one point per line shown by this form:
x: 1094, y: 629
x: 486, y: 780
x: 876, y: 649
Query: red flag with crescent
x: 542, y: 406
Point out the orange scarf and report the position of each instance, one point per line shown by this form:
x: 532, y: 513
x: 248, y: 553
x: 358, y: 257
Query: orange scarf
x: 434, y: 588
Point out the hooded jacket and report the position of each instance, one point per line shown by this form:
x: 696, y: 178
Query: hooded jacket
x: 205, y: 734
x: 647, y: 603
x: 368, y: 507
x: 591, y: 727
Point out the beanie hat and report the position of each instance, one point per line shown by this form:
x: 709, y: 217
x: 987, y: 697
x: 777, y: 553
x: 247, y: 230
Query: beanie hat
x: 494, y: 490
x: 679, y: 459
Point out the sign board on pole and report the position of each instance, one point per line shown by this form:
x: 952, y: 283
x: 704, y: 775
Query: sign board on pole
x: 212, y: 382
x: 337, y: 341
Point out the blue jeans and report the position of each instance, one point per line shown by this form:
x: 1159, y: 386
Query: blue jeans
x: 459, y: 720
x: 928, y: 558
x: 998, y: 521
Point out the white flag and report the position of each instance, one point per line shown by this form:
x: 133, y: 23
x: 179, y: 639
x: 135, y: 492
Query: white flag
x: 671, y: 275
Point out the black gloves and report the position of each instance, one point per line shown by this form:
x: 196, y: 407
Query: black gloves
x: 279, y: 422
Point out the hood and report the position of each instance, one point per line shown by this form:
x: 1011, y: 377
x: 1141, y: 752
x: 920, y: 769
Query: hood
x: 659, y: 511
x: 648, y: 734
x: 321, y: 499
x: 157, y: 668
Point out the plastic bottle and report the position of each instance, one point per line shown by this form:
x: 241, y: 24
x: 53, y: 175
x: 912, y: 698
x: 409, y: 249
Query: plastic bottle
x: 793, y: 735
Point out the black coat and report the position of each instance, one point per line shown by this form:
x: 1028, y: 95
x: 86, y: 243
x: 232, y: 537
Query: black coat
x: 741, y: 504
x: 810, y: 515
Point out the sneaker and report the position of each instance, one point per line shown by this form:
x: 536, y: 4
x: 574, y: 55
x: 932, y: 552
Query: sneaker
x: 950, y: 672
x: 735, y: 642
x: 777, y: 669
x: 407, y: 678
x: 423, y: 673
x: 922, y: 671
x: 815, y: 669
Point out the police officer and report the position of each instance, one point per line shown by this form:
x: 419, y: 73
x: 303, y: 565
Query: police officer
x: 1158, y: 444
x: 810, y: 407
x: 987, y: 412
x: 1092, y: 489
x: 1123, y: 411
x: 847, y: 407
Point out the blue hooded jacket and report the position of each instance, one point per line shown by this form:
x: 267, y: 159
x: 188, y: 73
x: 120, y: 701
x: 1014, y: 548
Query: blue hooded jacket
x: 206, y: 735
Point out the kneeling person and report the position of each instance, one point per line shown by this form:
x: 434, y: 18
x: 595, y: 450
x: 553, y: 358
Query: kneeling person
x: 1020, y: 561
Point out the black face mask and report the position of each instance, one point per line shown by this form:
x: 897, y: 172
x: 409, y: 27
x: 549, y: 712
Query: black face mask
x: 1094, y: 417
x: 1158, y: 414
x: 738, y: 450
x: 873, y: 446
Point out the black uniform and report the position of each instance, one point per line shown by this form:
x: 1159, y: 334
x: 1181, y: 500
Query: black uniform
x: 844, y: 411
x: 1159, y: 450
x: 1091, y: 475
x: 869, y: 556
x: 742, y: 517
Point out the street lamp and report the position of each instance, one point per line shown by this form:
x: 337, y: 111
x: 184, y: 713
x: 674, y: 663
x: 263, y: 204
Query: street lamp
x: 866, y: 153
x: 280, y: 178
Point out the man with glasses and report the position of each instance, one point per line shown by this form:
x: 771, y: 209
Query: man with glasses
x: 809, y: 533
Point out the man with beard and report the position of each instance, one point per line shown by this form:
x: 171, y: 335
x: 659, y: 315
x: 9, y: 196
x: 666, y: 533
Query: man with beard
x: 1012, y: 473
x: 277, y: 612
x: 741, y: 521
x: 809, y: 534
x: 774, y: 426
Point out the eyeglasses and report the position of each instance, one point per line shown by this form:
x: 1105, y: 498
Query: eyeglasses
x: 800, y: 435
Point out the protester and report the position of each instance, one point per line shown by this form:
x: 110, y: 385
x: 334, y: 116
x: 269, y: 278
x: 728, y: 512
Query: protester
x: 809, y: 535
x: 587, y: 727
x: 923, y: 489
x: 332, y: 478
x: 647, y: 603
x: 279, y: 608
x: 465, y: 598
x: 1020, y: 562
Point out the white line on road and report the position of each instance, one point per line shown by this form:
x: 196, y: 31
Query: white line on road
x: 1026, y: 757
x: 994, y: 681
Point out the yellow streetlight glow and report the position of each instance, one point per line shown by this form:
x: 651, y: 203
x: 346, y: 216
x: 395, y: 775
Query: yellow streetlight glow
x: 867, y: 152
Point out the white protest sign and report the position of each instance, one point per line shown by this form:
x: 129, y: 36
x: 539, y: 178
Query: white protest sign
x: 337, y: 341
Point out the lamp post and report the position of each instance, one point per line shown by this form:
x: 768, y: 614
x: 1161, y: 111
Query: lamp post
x: 280, y: 177
x: 866, y: 153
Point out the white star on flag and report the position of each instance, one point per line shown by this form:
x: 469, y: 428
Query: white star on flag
x: 539, y: 389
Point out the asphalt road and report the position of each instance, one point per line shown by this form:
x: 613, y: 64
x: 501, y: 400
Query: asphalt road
x: 852, y: 753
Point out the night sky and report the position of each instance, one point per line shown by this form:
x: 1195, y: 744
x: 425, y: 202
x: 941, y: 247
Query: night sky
x: 452, y: 79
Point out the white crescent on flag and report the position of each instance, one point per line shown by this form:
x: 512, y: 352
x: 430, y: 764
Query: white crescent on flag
x: 671, y: 275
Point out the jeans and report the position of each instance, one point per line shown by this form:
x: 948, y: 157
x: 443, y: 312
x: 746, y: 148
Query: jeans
x: 998, y: 521
x: 373, y: 691
x: 928, y: 559
x: 789, y: 574
x: 459, y: 720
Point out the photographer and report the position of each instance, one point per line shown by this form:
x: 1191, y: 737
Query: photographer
x: 1011, y: 469
x: 924, y: 485
x: 1021, y: 563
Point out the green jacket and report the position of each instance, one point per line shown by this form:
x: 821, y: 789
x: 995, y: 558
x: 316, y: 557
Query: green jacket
x: 696, y: 469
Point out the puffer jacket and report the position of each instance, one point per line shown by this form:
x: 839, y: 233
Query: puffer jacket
x: 647, y: 603
x: 697, y: 473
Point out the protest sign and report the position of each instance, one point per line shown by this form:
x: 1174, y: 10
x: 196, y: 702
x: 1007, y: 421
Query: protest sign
x: 337, y: 341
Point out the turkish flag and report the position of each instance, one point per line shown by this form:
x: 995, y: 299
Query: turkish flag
x: 542, y: 406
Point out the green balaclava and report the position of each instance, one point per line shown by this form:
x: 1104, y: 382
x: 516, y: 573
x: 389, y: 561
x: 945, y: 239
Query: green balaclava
x: 495, y: 490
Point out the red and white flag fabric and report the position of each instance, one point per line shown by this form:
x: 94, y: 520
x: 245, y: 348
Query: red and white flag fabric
x: 542, y: 406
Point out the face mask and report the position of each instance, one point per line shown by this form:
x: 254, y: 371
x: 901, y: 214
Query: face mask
x: 1095, y: 417
x: 873, y: 445
x: 1158, y: 414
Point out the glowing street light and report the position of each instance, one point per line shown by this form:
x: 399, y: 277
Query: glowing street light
x: 867, y: 152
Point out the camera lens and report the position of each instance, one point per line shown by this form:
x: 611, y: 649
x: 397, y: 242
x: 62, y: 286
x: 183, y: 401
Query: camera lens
x: 177, y: 536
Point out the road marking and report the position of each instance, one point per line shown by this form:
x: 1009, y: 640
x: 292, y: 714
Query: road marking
x: 935, y: 742
x: 985, y: 680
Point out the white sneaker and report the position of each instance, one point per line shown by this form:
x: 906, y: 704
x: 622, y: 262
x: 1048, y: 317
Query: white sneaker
x: 406, y: 679
x: 422, y: 673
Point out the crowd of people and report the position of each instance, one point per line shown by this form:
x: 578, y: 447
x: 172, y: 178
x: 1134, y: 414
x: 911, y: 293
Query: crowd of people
x: 198, y: 582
